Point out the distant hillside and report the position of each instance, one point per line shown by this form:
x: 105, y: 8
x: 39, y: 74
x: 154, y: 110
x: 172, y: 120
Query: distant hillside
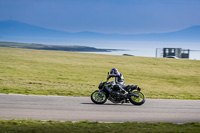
x: 53, y: 47
x: 14, y: 29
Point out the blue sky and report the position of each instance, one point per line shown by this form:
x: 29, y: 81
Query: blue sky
x: 104, y: 16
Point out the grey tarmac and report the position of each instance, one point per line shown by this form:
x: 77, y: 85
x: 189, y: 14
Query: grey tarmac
x: 63, y: 108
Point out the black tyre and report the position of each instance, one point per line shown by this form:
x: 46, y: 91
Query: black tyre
x: 139, y: 100
x: 98, y: 97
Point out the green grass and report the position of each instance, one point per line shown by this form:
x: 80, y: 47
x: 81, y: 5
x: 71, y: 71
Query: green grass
x: 64, y: 73
x: 35, y: 126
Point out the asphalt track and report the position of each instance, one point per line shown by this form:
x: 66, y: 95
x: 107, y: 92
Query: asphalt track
x: 62, y: 108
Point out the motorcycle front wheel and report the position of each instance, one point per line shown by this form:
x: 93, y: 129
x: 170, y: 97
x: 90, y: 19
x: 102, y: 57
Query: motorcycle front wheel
x: 139, y: 100
x: 98, y: 97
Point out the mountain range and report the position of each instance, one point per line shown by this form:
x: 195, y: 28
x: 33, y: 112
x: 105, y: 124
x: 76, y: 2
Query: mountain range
x: 10, y: 29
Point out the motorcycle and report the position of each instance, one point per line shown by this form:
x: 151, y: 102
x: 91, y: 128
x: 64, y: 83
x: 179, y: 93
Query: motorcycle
x: 117, y: 94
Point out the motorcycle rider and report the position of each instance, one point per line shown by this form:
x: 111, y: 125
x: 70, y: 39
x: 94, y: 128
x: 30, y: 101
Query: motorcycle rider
x: 119, y: 79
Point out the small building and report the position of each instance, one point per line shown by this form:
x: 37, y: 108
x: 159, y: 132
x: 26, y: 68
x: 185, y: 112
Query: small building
x: 173, y: 52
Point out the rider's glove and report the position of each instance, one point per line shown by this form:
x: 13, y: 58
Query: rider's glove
x: 109, y: 77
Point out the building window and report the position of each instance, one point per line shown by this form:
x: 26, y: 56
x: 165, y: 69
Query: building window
x: 173, y: 50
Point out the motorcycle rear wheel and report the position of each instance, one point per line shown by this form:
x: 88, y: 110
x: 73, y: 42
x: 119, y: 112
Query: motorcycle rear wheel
x: 137, y: 100
x: 98, y: 97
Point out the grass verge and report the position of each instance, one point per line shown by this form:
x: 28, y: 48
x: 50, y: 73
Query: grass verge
x: 35, y: 126
x: 64, y: 73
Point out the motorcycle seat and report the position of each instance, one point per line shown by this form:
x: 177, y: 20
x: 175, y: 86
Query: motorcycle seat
x: 130, y: 86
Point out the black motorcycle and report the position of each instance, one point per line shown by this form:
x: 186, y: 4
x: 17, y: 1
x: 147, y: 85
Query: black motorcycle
x: 117, y: 94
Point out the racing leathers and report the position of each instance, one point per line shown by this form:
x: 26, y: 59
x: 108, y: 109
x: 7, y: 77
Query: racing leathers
x: 119, y: 80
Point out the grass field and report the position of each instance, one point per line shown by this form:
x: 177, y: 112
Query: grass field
x: 78, y: 74
x: 33, y: 126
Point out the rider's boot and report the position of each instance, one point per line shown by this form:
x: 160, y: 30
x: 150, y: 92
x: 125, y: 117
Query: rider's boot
x: 125, y: 92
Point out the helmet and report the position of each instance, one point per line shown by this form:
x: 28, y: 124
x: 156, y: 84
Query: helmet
x: 114, y: 71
